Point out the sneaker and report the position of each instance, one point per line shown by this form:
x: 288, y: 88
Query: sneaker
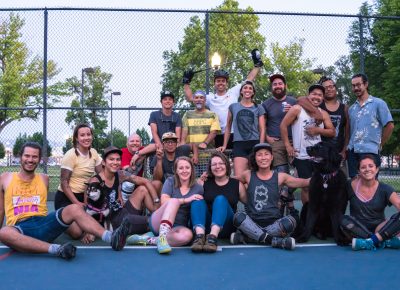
x: 237, y: 238
x: 284, y: 243
x: 162, y: 245
x: 211, y: 244
x: 118, y: 238
x: 198, y: 243
x: 139, y: 240
x: 67, y: 251
x: 362, y: 244
x: 393, y: 243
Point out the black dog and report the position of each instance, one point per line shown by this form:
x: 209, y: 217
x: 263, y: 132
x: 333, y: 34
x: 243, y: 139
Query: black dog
x: 97, y: 202
x: 327, y: 194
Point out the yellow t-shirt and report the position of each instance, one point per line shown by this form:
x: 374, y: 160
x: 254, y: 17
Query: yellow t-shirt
x: 199, y: 125
x: 24, y: 199
x: 82, y: 168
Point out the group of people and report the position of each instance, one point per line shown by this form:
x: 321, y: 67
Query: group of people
x: 175, y: 208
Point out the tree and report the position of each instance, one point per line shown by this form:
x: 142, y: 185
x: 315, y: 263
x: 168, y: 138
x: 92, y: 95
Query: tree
x: 144, y: 135
x: 2, y: 150
x: 23, y: 138
x: 21, y: 75
x: 119, y: 138
x: 95, y: 91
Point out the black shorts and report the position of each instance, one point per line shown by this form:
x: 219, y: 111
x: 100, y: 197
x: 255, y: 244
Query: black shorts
x: 243, y: 148
x: 139, y: 223
x: 304, y: 167
x: 61, y: 200
x: 219, y: 141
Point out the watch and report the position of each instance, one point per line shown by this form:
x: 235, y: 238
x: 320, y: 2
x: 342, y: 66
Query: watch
x: 136, y: 152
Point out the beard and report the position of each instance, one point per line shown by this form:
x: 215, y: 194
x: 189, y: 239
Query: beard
x: 279, y: 95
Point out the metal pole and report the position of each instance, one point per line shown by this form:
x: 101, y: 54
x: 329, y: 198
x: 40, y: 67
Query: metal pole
x: 82, y: 96
x: 207, y: 24
x: 129, y: 121
x: 362, y: 61
x: 45, y: 142
x: 112, y: 137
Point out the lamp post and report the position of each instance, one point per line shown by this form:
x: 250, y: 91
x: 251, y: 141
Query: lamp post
x: 129, y: 119
x: 111, y: 98
x: 84, y: 70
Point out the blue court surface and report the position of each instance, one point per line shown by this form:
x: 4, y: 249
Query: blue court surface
x: 309, y: 266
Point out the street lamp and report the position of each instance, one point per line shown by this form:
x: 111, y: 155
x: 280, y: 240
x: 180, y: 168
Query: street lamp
x: 216, y: 61
x: 111, y: 97
x: 129, y: 119
x: 84, y: 70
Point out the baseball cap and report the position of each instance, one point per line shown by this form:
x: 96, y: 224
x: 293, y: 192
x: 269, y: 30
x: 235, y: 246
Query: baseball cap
x: 167, y: 94
x: 260, y: 146
x: 316, y: 86
x: 169, y: 135
x: 200, y: 93
x: 277, y: 76
x: 111, y: 149
x: 248, y: 82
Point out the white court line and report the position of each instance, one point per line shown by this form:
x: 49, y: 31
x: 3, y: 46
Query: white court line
x: 177, y: 248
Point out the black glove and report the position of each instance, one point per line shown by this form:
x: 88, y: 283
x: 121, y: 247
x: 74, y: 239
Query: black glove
x: 187, y: 76
x: 256, y: 56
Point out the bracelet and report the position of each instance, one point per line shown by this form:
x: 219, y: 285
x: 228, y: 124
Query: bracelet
x: 205, y: 142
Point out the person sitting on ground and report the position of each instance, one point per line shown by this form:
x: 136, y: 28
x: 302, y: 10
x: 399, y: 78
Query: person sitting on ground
x: 133, y: 146
x: 368, y: 198
x: 171, y: 221
x: 214, y: 213
x: 29, y: 227
x: 262, y: 221
x: 248, y: 123
x: 77, y: 166
x: 163, y: 165
x: 144, y: 193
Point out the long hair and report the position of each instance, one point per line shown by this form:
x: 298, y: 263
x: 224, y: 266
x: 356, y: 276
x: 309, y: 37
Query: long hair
x: 224, y: 159
x: 192, y: 180
x: 75, y: 137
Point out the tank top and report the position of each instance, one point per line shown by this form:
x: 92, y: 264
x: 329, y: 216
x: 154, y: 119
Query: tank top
x: 262, y: 199
x: 25, y: 199
x: 301, y: 140
x: 339, y: 121
x: 112, y: 194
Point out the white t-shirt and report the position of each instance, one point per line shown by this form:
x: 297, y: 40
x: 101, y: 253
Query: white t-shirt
x: 220, y: 104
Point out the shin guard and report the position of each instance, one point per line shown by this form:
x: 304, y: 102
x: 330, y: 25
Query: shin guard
x: 282, y: 227
x: 247, y: 226
x: 391, y: 228
x: 352, y: 228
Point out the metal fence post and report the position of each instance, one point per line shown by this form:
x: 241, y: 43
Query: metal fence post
x: 207, y: 24
x: 45, y: 142
x: 362, y: 55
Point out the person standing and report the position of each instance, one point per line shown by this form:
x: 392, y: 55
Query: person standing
x: 222, y: 97
x: 276, y: 108
x: 371, y: 124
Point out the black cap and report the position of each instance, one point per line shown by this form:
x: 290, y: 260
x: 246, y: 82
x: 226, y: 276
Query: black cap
x: 167, y: 94
x: 111, y: 149
x: 260, y: 146
x: 277, y: 76
x: 316, y: 86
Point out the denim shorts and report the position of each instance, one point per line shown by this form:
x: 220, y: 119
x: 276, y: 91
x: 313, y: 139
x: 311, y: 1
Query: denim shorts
x: 44, y: 228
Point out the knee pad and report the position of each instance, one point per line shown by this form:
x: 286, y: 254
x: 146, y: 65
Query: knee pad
x: 238, y: 218
x: 391, y: 228
x: 354, y: 228
x: 282, y: 227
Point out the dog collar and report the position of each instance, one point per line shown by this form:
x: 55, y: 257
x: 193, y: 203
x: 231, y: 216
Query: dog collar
x: 326, y: 177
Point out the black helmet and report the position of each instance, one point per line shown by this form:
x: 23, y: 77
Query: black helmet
x: 221, y: 74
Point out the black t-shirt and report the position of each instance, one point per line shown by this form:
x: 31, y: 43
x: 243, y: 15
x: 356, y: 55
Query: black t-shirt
x: 229, y: 190
x: 339, y: 120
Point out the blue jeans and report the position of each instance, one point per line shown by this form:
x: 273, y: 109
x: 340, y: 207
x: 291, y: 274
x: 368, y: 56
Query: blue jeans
x: 222, y: 215
x: 44, y: 228
x: 353, y: 160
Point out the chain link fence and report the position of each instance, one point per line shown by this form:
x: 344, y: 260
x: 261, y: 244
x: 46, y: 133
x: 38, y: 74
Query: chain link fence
x: 129, y: 44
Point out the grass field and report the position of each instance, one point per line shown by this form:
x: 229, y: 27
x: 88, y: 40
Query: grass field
x: 54, y: 174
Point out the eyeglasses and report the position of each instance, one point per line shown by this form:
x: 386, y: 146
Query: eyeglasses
x: 217, y: 164
x: 170, y: 142
x: 330, y: 87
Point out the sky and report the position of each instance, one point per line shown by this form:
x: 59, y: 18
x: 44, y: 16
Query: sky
x: 118, y: 43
